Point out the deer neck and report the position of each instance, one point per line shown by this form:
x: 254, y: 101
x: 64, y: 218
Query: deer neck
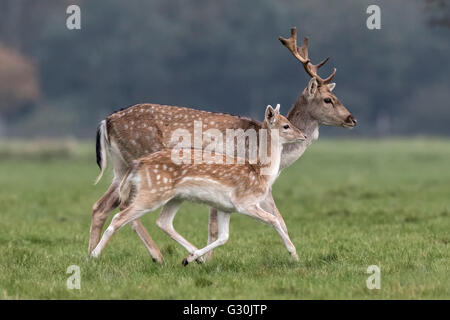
x: 270, y: 170
x: 299, y: 117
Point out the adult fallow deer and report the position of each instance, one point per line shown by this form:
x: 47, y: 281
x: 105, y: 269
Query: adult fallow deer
x: 143, y: 129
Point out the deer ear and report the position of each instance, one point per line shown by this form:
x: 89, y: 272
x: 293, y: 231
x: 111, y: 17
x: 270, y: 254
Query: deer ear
x: 331, y: 86
x: 312, y: 87
x: 270, y: 114
x: 277, y: 109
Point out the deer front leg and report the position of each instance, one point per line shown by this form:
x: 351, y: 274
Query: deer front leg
x: 268, y: 204
x: 165, y: 222
x: 213, y: 231
x: 223, y: 222
x: 257, y: 212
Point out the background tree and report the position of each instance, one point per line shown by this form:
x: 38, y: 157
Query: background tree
x: 224, y: 55
x: 19, y: 89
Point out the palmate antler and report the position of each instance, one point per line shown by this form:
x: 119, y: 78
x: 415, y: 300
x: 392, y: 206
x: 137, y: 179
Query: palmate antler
x: 301, y: 53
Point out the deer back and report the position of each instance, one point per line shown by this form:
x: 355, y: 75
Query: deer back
x: 147, y: 128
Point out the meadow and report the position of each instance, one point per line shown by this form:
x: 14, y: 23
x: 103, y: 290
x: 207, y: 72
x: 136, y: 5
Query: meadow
x: 348, y: 204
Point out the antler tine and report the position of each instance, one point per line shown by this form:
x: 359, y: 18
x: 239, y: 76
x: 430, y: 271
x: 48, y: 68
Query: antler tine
x: 315, y: 68
x: 301, y: 53
x: 291, y: 44
x: 303, y: 50
x: 322, y: 63
x: 327, y: 80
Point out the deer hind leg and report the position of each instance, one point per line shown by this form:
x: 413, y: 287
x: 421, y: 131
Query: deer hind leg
x: 223, y: 223
x: 213, y: 231
x: 100, y: 212
x: 256, y: 212
x: 150, y: 245
x: 119, y: 220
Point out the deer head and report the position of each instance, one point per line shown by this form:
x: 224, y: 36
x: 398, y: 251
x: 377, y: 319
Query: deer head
x: 322, y: 105
x: 273, y: 120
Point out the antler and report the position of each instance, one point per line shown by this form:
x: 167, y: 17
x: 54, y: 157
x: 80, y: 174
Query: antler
x: 301, y: 53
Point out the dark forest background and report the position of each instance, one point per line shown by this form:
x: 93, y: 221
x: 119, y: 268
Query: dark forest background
x: 220, y: 56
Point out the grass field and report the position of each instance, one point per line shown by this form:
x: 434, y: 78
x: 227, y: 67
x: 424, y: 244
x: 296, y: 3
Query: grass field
x: 348, y: 204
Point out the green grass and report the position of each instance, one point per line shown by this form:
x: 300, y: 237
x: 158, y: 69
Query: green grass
x: 348, y: 204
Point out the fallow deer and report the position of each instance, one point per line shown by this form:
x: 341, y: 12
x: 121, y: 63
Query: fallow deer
x: 156, y: 180
x: 146, y: 128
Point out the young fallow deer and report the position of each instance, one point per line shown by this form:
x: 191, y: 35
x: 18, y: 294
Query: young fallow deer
x: 143, y: 129
x: 156, y: 180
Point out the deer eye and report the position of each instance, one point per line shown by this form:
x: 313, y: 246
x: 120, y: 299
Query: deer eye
x: 327, y: 100
x: 286, y: 126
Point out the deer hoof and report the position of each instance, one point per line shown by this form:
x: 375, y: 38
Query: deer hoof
x: 207, y: 256
x: 185, y: 262
x: 200, y: 260
x: 158, y: 260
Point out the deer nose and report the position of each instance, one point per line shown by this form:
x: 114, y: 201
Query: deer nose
x: 351, y: 120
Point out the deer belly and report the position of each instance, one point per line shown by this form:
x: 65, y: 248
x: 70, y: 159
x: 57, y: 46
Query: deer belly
x: 207, y: 192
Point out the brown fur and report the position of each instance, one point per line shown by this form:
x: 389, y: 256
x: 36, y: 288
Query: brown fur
x: 146, y: 128
x: 158, y: 173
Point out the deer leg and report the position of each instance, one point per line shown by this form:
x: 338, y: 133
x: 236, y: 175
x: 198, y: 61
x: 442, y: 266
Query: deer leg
x: 256, y: 212
x: 100, y: 212
x: 268, y: 204
x: 223, y: 222
x: 165, y: 222
x: 118, y: 221
x: 150, y: 245
x: 212, y: 231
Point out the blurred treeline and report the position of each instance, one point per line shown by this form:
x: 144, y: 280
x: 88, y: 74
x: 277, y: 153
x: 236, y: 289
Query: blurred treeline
x: 220, y: 56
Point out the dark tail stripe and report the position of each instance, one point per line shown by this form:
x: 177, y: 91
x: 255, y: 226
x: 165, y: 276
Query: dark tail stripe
x: 98, y: 147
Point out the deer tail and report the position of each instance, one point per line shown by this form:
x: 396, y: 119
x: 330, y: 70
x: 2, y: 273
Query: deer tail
x: 100, y: 148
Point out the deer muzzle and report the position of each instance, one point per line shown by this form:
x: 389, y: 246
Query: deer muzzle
x: 350, y: 122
